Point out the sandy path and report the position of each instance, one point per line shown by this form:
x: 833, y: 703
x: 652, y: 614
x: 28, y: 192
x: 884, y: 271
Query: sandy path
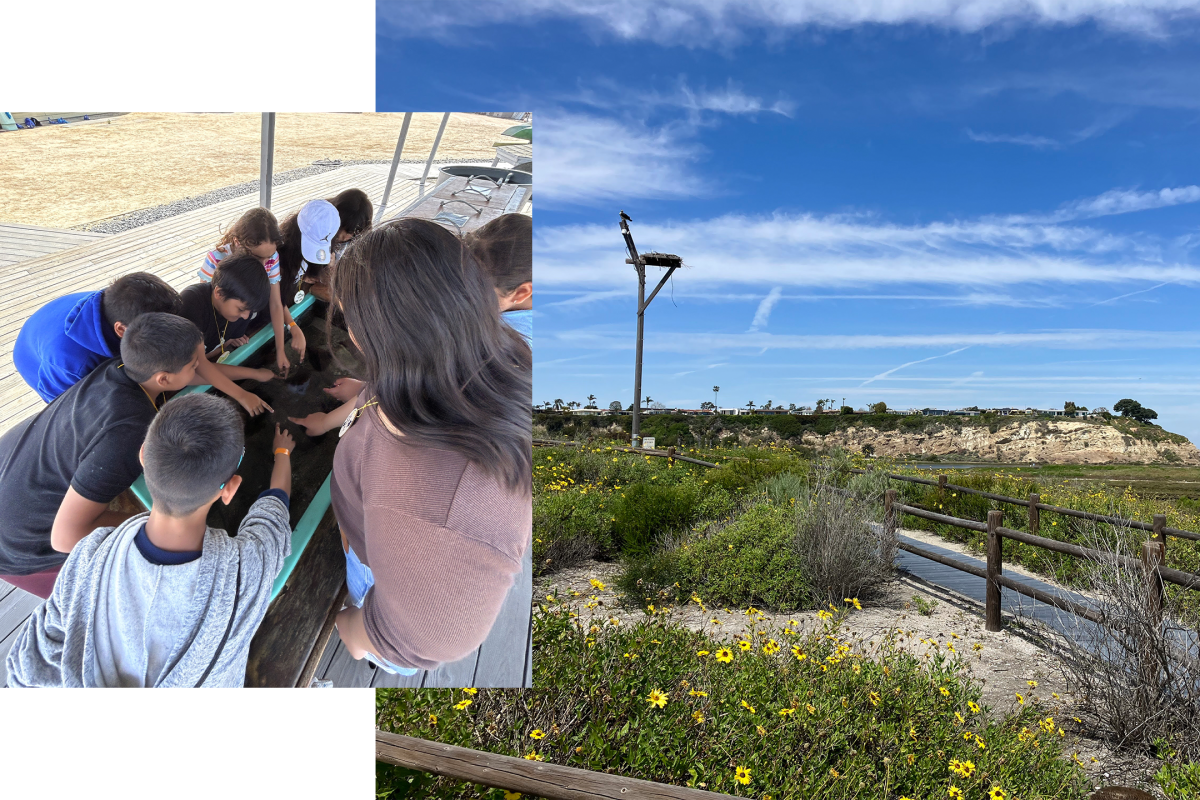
x: 63, y: 175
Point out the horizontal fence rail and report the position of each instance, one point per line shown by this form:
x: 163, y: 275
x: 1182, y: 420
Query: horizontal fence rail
x: 1155, y: 527
x: 534, y: 778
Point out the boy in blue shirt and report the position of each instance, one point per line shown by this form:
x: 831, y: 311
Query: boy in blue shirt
x: 68, y: 337
x: 163, y: 600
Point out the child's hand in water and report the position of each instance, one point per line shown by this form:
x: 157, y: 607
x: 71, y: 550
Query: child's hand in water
x: 314, y: 424
x: 283, y: 439
x: 281, y: 361
x: 263, y: 375
x: 344, y: 389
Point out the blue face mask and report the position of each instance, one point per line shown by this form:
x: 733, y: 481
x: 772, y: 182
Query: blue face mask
x: 235, y: 469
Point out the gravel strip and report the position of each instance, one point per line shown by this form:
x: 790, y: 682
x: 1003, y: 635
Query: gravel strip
x: 135, y: 219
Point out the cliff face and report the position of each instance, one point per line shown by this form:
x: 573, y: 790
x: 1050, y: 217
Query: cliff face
x: 1047, y: 442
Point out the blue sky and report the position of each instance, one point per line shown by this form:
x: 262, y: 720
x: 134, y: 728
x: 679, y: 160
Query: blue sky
x: 942, y: 204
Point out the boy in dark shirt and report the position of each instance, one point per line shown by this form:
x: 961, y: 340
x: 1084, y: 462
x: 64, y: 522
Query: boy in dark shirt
x: 68, y: 337
x: 222, y: 309
x: 60, y: 469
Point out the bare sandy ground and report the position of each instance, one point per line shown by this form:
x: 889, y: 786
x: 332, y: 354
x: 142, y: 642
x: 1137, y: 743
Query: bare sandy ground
x: 58, y: 176
x: 1003, y: 663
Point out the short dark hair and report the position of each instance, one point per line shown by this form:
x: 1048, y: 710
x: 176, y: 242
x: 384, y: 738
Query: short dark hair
x: 241, y: 277
x: 135, y: 294
x: 193, y: 446
x: 504, y: 248
x: 355, y: 210
x: 158, y: 342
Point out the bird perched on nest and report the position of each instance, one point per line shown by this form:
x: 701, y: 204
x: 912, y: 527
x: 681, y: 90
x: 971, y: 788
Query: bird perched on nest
x: 626, y: 217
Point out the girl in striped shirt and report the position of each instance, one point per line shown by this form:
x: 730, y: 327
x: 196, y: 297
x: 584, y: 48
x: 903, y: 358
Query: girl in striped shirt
x: 257, y: 232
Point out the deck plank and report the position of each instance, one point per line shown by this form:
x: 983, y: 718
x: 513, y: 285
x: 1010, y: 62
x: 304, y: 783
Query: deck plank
x: 172, y: 249
x: 503, y: 654
x: 15, y: 607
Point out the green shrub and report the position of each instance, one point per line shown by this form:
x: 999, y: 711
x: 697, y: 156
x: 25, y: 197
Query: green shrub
x: 1179, y: 781
x: 645, y: 512
x: 570, y: 528
x: 652, y: 701
x: 750, y: 561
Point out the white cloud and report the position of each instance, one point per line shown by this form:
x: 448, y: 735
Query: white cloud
x: 709, y: 343
x: 763, y: 314
x: 848, y: 250
x: 588, y: 159
x: 721, y: 23
x: 894, y: 370
x: 1040, y: 142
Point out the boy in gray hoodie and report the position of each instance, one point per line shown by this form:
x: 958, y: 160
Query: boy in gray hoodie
x: 162, y: 599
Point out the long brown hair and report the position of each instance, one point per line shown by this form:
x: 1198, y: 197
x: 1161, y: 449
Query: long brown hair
x: 446, y: 371
x: 251, y: 229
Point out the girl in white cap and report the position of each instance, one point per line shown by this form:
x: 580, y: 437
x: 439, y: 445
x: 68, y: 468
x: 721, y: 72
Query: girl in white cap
x: 308, y: 239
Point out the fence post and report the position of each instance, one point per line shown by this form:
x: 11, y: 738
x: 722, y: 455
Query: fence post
x: 942, y: 487
x: 1035, y: 518
x: 1160, y: 522
x: 671, y: 456
x: 889, y: 511
x: 995, y: 566
x: 1152, y: 558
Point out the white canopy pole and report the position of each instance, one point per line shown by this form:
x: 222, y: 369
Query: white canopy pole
x: 266, y: 164
x: 387, y: 190
x: 433, y: 152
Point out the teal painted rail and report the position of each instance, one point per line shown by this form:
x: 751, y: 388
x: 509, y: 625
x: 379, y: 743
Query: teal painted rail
x: 303, y: 533
x: 312, y: 516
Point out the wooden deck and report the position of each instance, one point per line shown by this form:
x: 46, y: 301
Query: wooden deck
x: 172, y: 249
x: 512, y: 154
x: 25, y: 242
x: 496, y: 663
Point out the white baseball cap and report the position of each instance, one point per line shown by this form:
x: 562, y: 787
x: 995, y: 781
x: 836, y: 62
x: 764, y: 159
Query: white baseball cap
x: 319, y: 223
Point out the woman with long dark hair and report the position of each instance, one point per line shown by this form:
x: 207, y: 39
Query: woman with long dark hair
x: 432, y: 477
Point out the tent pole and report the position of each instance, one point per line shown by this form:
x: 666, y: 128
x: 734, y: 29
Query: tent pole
x: 266, y: 164
x: 433, y: 152
x: 387, y: 190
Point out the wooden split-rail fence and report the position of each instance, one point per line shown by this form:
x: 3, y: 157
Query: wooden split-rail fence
x: 1152, y: 563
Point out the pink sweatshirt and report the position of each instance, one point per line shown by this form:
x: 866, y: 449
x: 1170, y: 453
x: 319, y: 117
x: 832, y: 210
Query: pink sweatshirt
x: 443, y: 540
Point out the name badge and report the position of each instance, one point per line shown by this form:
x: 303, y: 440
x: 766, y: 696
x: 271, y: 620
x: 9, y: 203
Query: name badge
x: 346, y: 425
x: 299, y: 296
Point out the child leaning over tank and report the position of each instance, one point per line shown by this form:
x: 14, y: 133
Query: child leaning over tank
x: 163, y: 600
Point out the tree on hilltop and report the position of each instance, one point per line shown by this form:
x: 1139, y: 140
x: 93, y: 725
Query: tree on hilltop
x: 879, y: 408
x: 1134, y: 410
x: 615, y: 406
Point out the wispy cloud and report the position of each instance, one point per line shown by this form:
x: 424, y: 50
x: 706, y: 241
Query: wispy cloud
x: 1003, y: 138
x: 1099, y: 127
x: 894, y: 370
x: 586, y: 158
x: 710, y: 343
x: 859, y: 250
x: 1112, y: 202
x: 722, y: 23
x: 1129, y: 294
x: 763, y: 314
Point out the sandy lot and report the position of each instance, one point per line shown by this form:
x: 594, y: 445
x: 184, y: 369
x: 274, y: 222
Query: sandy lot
x: 64, y: 175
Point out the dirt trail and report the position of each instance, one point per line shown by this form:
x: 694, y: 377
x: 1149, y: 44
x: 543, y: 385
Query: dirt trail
x: 65, y: 175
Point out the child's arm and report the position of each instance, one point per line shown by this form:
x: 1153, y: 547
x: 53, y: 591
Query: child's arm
x: 77, y: 517
x: 281, y: 475
x: 299, y: 343
x: 278, y: 312
x: 236, y: 373
x: 318, y: 423
x: 211, y: 373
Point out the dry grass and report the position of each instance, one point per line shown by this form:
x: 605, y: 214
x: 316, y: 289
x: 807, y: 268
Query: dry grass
x: 65, y: 175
